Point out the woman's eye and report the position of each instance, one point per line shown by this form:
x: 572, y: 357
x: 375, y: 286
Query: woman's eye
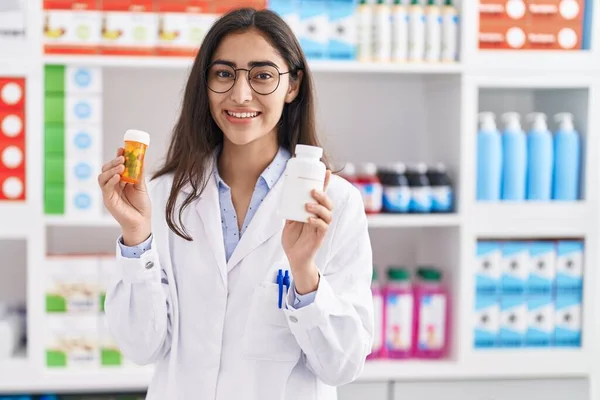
x: 263, y: 76
x: 224, y: 74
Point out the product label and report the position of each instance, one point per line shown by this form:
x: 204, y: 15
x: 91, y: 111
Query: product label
x: 130, y: 29
x: 399, y: 322
x: 396, y: 198
x: 432, y: 322
x: 372, y: 194
x: 72, y: 28
x: 183, y: 31
x: 441, y: 197
x: 378, y: 307
x: 399, y: 33
x: 420, y: 199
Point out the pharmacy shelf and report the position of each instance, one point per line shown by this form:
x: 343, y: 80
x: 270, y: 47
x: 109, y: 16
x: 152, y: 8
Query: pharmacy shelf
x: 315, y: 65
x: 15, y: 221
x: 532, y: 219
x: 101, y: 221
x: 539, y: 61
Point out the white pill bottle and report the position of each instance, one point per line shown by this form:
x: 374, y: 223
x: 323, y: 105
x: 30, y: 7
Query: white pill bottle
x: 303, y: 173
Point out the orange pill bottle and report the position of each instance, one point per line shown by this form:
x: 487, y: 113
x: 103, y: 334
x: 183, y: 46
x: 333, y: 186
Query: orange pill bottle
x: 136, y: 143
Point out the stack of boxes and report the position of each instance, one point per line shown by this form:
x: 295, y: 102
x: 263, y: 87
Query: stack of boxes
x: 78, y: 336
x: 528, y: 294
x: 73, y: 149
x: 12, y: 139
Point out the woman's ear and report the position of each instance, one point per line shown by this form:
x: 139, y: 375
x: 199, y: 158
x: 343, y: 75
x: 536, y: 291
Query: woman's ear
x: 294, y: 88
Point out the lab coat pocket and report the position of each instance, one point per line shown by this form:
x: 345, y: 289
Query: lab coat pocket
x: 268, y: 335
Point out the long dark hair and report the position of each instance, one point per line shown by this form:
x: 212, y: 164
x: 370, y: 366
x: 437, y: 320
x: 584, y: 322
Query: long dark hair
x: 196, y: 135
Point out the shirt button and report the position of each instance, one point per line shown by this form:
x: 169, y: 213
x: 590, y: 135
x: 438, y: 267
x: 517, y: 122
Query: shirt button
x: 293, y: 319
x: 149, y: 264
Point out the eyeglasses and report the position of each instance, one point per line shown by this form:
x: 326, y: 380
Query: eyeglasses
x: 263, y: 79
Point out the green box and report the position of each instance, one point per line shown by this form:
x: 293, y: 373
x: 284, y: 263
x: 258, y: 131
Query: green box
x: 56, y: 358
x: 54, y: 171
x: 54, y: 109
x: 54, y: 79
x: 54, y: 199
x: 54, y: 140
x: 110, y: 357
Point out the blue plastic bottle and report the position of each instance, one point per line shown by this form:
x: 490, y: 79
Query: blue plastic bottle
x: 567, y: 160
x: 540, y: 159
x: 514, y: 158
x: 489, y: 159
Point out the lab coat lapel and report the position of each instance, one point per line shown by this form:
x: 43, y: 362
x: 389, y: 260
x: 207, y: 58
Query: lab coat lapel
x: 265, y: 223
x: 208, y: 208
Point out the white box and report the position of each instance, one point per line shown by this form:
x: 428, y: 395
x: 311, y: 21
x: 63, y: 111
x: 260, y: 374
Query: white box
x: 71, y: 284
x: 84, y: 142
x: 488, y: 267
x: 83, y: 109
x: 542, y: 269
x: 110, y: 354
x: 65, y: 27
x: 83, y: 202
x: 486, y: 321
x: 181, y: 31
x: 130, y: 29
x: 83, y: 80
x: 568, y: 320
x: 72, y: 342
x: 515, y: 266
x: 81, y: 173
x: 540, y: 309
x: 569, y: 265
x: 513, y: 320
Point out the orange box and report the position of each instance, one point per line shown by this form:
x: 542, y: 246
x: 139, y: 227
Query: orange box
x: 556, y: 11
x: 182, y: 26
x: 503, y: 35
x: 514, y: 10
x: 12, y: 93
x: 71, y: 26
x: 552, y: 36
x: 12, y: 125
x: 129, y: 27
x: 12, y: 184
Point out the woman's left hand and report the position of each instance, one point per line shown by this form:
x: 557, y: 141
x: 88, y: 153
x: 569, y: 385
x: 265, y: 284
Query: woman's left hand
x: 302, y: 240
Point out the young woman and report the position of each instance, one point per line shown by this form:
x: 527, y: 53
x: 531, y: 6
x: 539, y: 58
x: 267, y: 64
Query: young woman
x: 195, y: 291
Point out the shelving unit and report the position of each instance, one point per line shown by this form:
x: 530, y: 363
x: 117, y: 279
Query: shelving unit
x: 408, y: 112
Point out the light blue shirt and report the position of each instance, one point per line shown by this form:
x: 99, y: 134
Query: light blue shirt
x: 229, y: 225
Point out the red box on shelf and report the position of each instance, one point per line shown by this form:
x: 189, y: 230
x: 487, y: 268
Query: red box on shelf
x: 12, y: 93
x: 71, y: 26
x: 129, y: 27
x: 12, y: 185
x: 12, y: 156
x: 12, y: 125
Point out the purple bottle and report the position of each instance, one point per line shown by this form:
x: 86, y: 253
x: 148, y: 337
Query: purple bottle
x: 399, y: 321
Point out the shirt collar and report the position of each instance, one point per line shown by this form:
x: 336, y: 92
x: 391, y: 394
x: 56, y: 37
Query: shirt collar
x: 269, y: 176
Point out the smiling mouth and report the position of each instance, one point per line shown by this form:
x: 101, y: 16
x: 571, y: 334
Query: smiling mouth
x: 243, y: 115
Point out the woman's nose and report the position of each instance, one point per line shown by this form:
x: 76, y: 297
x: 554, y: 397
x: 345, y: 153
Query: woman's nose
x: 241, y: 91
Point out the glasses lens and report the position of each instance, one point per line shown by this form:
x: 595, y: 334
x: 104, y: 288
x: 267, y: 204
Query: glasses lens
x: 220, y: 78
x: 264, y: 79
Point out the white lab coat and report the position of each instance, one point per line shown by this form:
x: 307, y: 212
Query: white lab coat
x: 215, y: 330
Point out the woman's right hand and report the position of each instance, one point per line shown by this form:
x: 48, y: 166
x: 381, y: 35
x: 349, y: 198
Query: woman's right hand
x: 128, y: 203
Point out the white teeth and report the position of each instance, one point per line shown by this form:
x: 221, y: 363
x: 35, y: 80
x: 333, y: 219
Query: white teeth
x: 242, y: 115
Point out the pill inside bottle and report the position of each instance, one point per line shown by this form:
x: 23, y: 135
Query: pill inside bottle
x: 136, y: 143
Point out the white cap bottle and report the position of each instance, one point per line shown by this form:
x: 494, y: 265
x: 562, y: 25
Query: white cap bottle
x: 303, y: 173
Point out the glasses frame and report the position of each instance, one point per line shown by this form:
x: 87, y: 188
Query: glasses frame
x: 235, y: 77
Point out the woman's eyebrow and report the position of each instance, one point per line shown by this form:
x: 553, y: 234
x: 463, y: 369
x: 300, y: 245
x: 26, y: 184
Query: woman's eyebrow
x: 260, y: 63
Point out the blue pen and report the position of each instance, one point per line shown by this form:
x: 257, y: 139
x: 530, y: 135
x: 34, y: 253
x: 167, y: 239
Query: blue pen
x: 286, y: 281
x: 280, y: 283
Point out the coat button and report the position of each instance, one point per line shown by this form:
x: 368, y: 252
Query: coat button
x: 149, y: 264
x: 293, y: 319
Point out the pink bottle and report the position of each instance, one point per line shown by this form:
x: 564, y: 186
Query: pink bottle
x: 378, y: 306
x: 399, y: 321
x: 432, y: 312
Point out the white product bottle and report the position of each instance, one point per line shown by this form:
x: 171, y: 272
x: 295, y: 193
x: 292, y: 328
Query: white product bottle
x: 416, y: 35
x: 365, y: 31
x: 303, y: 173
x: 383, y: 31
x: 433, y: 36
x: 399, y: 31
x: 449, y: 32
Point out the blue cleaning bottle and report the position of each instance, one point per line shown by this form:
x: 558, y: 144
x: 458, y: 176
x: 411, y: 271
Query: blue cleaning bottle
x: 514, y: 158
x: 540, y: 159
x: 567, y: 159
x: 489, y: 159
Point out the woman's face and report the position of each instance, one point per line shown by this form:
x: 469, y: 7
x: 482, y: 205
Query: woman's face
x: 244, y: 115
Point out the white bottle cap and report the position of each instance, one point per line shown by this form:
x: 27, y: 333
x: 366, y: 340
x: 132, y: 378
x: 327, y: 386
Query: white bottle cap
x: 398, y: 168
x: 349, y: 169
x: 368, y: 169
x: 439, y: 167
x: 420, y: 168
x: 512, y: 121
x: 488, y: 121
x: 310, y: 151
x: 133, y: 135
x: 539, y: 121
x: 565, y: 120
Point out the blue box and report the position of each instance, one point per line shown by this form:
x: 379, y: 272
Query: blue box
x: 488, y: 267
x: 289, y: 11
x: 515, y: 267
x: 487, y: 321
x: 569, y: 266
x: 513, y: 320
x: 568, y: 320
x: 540, y: 320
x: 542, y: 269
x: 342, y: 30
x: 314, y: 28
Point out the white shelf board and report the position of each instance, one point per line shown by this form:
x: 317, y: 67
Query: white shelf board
x: 413, y: 220
x: 315, y: 65
x: 15, y: 220
x: 100, y: 221
x: 532, y: 219
x: 511, y: 62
